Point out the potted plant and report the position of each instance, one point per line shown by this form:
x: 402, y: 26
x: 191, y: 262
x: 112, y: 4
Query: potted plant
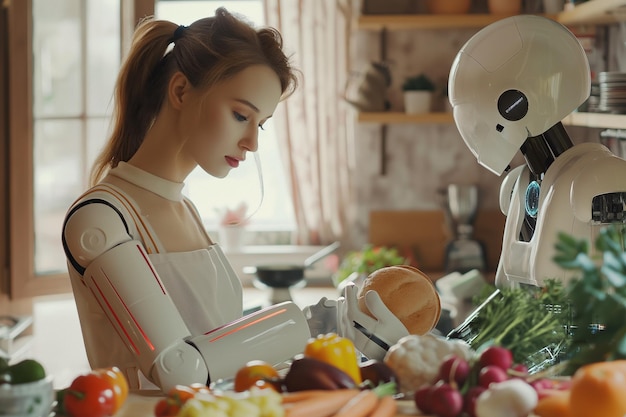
x: 359, y: 264
x: 418, y: 93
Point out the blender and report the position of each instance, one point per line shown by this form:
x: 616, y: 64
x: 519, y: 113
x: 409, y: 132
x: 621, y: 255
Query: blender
x: 463, y: 253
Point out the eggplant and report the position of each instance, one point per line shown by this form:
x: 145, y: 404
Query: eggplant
x: 309, y: 373
x: 375, y: 373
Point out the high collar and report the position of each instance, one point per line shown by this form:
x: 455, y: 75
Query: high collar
x: 160, y: 186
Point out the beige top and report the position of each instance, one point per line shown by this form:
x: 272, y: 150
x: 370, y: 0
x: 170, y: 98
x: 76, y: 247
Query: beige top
x: 169, y: 226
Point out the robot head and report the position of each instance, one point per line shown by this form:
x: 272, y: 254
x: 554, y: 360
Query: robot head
x: 515, y: 78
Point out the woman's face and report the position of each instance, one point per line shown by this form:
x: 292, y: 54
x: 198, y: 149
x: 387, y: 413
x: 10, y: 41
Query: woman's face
x: 220, y: 127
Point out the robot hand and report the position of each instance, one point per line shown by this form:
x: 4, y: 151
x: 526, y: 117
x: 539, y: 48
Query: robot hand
x: 371, y: 336
x: 322, y: 317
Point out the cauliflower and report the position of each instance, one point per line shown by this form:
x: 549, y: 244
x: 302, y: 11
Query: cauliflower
x: 416, y: 359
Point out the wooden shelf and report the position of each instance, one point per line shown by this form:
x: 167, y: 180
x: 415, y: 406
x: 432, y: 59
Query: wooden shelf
x: 595, y: 12
x: 400, y: 117
x: 595, y: 120
x: 426, y: 21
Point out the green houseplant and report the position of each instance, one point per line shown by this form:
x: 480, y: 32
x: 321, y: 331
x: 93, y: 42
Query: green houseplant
x: 367, y: 260
x: 597, y: 295
x: 418, y: 92
x: 420, y: 82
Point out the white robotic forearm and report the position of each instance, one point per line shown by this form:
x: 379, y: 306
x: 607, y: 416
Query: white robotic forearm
x: 128, y: 289
x: 274, y: 334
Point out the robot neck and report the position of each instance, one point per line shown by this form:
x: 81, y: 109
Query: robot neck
x: 540, y: 151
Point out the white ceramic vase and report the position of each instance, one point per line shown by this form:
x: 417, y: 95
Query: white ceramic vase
x: 231, y: 238
x: 417, y: 101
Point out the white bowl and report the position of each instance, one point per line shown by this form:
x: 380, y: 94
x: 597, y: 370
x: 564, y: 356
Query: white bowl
x: 32, y: 399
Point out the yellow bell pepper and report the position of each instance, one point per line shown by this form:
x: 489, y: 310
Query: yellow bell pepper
x: 337, y: 351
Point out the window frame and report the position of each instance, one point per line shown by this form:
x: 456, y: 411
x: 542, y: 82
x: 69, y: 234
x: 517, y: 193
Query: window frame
x: 21, y: 280
x: 4, y: 151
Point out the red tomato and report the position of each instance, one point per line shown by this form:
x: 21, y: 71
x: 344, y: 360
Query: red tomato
x: 89, y: 396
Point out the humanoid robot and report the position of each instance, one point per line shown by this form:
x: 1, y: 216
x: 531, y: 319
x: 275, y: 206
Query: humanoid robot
x: 510, y: 86
x: 106, y: 259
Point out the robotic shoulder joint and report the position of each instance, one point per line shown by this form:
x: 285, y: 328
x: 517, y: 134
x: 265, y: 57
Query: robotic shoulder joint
x: 91, y: 228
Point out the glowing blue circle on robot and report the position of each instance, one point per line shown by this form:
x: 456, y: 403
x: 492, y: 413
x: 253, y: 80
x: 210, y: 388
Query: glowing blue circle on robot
x: 532, y: 198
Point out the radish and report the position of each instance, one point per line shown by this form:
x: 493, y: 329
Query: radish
x: 422, y: 398
x: 469, y: 399
x: 511, y: 398
x: 491, y: 374
x: 446, y: 401
x: 454, y: 368
x: 520, y: 370
x: 498, y: 356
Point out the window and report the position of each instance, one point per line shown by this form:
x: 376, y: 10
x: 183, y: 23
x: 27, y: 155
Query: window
x: 63, y: 59
x: 76, y: 50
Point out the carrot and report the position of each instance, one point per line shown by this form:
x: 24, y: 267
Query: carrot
x: 324, y: 404
x: 360, y: 405
x: 556, y: 404
x: 297, y: 396
x: 386, y: 407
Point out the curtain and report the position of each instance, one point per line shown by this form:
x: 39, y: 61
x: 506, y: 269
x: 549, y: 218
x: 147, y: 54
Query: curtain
x: 315, y: 124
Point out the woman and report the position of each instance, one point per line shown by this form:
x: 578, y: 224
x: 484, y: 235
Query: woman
x: 154, y: 293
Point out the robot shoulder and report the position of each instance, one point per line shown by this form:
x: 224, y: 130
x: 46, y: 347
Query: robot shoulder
x: 92, y: 227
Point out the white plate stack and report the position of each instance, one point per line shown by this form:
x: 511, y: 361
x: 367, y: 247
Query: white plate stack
x: 612, y: 92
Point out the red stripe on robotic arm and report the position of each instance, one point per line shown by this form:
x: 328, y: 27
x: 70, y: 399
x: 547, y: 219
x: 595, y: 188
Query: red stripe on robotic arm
x: 154, y: 274
x: 110, y: 312
x: 233, y: 328
x: 132, y: 296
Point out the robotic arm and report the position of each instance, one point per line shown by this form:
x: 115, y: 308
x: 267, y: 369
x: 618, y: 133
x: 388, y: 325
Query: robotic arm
x: 119, y: 274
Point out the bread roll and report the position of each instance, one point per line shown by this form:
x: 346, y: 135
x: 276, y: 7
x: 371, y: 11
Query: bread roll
x: 408, y: 293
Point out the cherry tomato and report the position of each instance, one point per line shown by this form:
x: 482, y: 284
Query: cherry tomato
x: 119, y: 383
x: 253, y: 371
x: 89, y: 395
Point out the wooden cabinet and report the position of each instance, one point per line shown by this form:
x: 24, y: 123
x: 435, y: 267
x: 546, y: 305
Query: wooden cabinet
x: 593, y: 12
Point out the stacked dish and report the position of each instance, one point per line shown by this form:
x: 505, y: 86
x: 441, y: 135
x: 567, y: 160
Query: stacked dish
x: 612, y: 87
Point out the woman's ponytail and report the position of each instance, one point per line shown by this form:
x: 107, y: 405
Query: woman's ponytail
x: 138, y: 93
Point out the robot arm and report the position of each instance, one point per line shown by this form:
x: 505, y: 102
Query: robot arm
x: 127, y: 287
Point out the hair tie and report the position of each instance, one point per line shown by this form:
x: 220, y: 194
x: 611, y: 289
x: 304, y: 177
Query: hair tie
x: 178, y: 33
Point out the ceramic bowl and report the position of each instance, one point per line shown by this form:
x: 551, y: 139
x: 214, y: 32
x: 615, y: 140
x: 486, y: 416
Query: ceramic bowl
x: 280, y: 276
x: 32, y: 399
